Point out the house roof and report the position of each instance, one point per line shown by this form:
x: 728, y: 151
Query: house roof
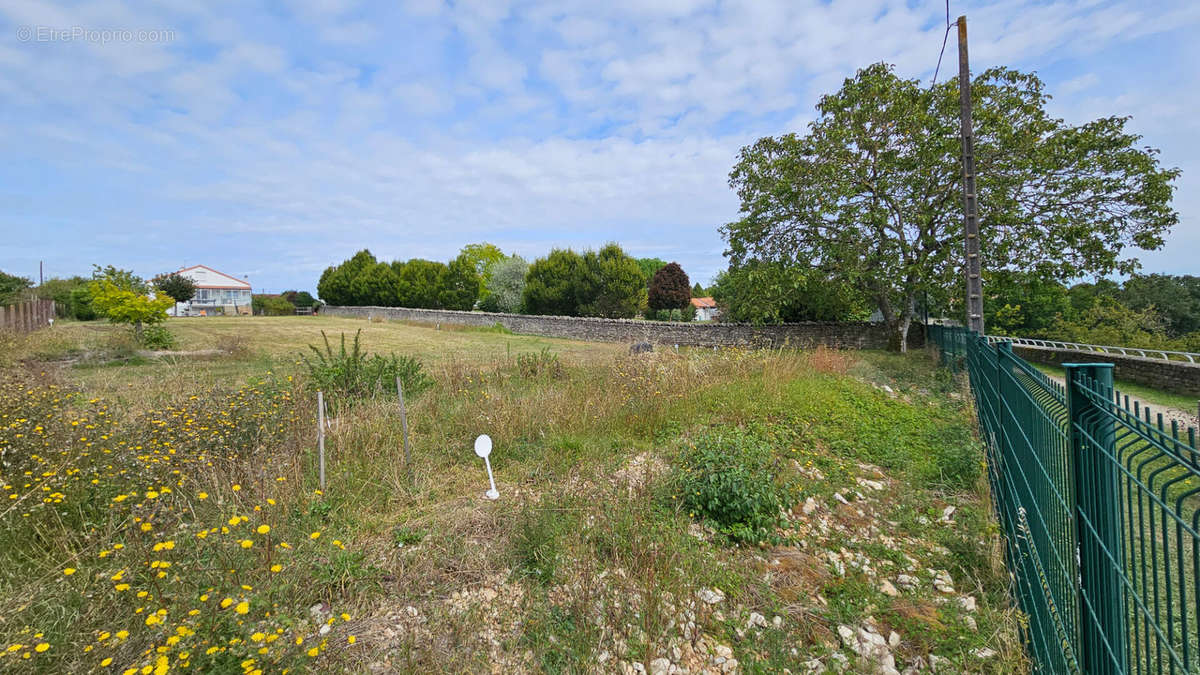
x: 703, y: 303
x: 206, y: 277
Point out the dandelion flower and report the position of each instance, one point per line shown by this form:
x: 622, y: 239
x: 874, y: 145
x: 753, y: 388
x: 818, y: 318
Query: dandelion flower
x: 106, y: 662
x: 276, y: 567
x: 242, y: 607
x: 314, y: 535
x: 247, y: 543
x: 313, y: 652
x: 42, y: 646
x: 202, y: 495
x: 69, y: 571
x: 263, y: 529
x: 351, y: 639
x: 236, y: 487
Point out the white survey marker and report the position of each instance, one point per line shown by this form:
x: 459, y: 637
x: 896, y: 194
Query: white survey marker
x: 483, y: 448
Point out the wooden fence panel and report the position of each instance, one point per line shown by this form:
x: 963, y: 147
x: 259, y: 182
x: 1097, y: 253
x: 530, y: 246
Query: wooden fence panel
x: 26, y: 317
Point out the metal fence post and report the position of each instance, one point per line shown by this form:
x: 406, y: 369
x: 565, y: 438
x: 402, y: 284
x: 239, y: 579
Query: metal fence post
x: 1096, y: 493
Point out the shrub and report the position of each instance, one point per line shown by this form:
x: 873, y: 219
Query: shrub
x: 730, y: 479
x: 535, y: 364
x: 156, y: 336
x: 271, y: 305
x: 352, y: 373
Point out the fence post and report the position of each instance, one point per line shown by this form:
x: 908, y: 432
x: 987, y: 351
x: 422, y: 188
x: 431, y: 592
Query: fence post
x: 1000, y: 456
x: 1097, y: 506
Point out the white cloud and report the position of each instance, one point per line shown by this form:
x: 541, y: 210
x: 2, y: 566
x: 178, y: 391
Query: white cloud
x: 536, y: 123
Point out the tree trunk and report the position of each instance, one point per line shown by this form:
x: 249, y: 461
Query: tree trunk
x: 137, y: 331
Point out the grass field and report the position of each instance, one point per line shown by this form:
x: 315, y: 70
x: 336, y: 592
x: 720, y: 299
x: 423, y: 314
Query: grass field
x: 164, y: 513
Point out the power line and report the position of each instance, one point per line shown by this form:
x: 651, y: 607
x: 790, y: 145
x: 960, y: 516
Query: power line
x: 945, y: 37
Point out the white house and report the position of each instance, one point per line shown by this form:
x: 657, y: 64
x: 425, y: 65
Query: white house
x: 706, y: 309
x: 216, y: 293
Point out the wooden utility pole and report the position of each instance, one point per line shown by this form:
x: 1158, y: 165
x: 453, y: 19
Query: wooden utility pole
x: 970, y: 208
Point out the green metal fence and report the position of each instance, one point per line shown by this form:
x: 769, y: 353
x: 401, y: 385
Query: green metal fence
x: 1100, y: 504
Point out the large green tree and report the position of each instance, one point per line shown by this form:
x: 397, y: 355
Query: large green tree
x: 482, y: 257
x: 871, y: 195
x: 421, y: 283
x: 649, y: 266
x: 11, y: 287
x: 551, y: 286
x: 775, y: 292
x: 1175, y: 298
x: 377, y: 286
x: 1023, y: 305
x: 612, y: 285
x: 336, y: 286
x: 460, y: 284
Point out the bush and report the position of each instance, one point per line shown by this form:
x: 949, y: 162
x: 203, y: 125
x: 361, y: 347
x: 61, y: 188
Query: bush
x: 271, y: 305
x: 730, y: 479
x: 354, y: 374
x: 156, y: 336
x: 535, y: 364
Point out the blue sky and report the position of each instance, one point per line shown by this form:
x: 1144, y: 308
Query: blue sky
x: 271, y: 140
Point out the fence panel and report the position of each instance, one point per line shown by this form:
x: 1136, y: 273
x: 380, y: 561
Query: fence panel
x: 1100, y: 506
x: 25, y: 317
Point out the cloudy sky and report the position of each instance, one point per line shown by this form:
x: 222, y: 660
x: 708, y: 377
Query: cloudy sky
x: 272, y: 140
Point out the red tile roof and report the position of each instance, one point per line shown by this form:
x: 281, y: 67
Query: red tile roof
x: 701, y: 303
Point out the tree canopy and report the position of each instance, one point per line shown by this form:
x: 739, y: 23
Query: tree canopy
x: 871, y: 195
x: 775, y: 292
x: 505, y: 283
x: 176, y: 286
x: 552, y: 284
x: 669, y: 288
x: 11, y: 287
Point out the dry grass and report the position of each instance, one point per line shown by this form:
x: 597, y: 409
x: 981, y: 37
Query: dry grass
x: 573, y: 560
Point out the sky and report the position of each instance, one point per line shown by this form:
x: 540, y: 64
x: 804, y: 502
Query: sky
x: 272, y: 140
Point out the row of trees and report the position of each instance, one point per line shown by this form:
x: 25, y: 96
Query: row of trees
x: 1156, y: 310
x: 602, y: 283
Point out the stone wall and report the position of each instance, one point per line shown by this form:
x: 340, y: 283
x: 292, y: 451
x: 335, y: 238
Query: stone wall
x: 1177, y: 376
x: 841, y: 335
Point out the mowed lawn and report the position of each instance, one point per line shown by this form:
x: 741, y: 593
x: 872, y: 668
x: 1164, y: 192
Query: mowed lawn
x: 719, y: 511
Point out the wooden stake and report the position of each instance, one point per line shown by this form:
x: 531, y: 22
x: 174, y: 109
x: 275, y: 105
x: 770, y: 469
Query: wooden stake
x: 404, y: 428
x: 321, y: 436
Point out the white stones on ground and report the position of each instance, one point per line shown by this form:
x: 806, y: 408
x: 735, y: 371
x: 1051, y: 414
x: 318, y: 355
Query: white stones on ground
x: 870, y: 484
x: 970, y: 621
x: 983, y: 653
x: 810, y: 505
x: 869, y: 645
x: 756, y: 621
x: 660, y: 666
x: 838, y: 496
x: 893, y: 639
x: 777, y: 622
x: 946, y: 513
x: 710, y: 596
x: 887, y: 588
x: 942, y: 581
x: 967, y: 602
x: 908, y: 582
